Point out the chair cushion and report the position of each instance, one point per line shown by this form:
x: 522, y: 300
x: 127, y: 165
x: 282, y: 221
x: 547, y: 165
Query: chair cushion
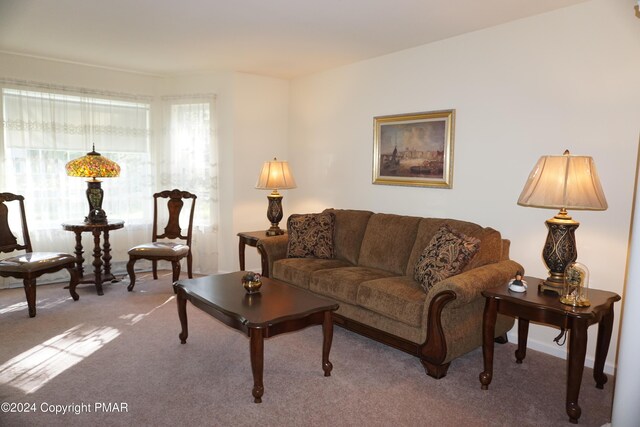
x: 311, y: 236
x: 159, y: 249
x: 35, y: 261
x: 445, y: 256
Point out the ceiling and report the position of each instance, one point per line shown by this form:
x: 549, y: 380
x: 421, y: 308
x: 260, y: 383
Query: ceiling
x: 280, y: 38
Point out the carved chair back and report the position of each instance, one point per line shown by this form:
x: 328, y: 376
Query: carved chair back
x: 8, y: 241
x: 175, y: 203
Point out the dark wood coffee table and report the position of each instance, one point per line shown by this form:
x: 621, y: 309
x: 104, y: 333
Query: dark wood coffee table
x: 276, y: 309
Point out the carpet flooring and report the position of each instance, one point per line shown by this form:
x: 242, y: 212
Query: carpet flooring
x: 116, y: 360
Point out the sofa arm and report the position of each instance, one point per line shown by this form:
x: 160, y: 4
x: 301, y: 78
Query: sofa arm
x: 468, y: 285
x: 271, y: 249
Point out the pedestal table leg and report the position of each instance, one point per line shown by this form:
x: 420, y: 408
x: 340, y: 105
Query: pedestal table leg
x: 79, y: 252
x: 106, y: 257
x: 97, y: 261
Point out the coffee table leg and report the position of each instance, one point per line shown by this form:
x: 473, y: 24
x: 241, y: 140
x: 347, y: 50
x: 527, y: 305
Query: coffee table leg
x: 327, y: 338
x: 182, y: 314
x: 256, y: 346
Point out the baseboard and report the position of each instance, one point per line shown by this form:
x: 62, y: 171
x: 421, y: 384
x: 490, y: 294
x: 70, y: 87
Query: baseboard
x: 557, y: 351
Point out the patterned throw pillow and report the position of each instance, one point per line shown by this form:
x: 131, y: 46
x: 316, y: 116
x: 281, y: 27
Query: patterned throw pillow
x: 311, y: 235
x: 446, y: 255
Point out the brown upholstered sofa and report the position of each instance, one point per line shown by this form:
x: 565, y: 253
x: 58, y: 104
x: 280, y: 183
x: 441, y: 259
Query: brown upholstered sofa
x: 371, y: 276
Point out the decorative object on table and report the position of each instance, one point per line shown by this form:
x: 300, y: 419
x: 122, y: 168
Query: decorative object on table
x: 414, y: 149
x: 170, y: 244
x: 517, y: 284
x: 275, y: 175
x: 576, y: 285
x: 94, y: 165
x: 29, y: 265
x: 562, y: 182
x: 251, y: 282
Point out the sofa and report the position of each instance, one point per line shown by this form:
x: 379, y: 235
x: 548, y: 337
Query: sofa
x: 367, y: 262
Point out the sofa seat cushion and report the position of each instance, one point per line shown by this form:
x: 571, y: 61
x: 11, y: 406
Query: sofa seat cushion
x: 342, y: 283
x: 297, y: 271
x: 398, y: 298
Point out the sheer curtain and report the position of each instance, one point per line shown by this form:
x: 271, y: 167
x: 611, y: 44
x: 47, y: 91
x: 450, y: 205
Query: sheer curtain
x: 45, y: 126
x: 187, y: 160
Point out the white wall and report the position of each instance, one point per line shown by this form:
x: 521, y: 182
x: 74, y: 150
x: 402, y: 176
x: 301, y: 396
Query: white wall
x: 565, y: 79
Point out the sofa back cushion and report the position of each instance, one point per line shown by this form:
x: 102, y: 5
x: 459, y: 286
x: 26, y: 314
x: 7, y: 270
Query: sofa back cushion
x: 349, y: 230
x: 388, y: 241
x: 490, y: 249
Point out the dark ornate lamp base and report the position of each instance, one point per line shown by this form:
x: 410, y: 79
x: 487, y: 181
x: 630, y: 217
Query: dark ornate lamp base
x: 95, y: 195
x: 559, y: 250
x: 274, y: 213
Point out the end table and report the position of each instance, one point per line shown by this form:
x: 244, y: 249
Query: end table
x: 536, y: 306
x: 99, y: 254
x: 251, y: 238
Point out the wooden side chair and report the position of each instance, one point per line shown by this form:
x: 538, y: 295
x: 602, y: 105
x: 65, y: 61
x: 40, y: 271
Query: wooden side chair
x: 167, y: 251
x: 30, y: 265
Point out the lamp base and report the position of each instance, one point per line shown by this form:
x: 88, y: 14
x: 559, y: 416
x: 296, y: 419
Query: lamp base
x: 549, y: 286
x: 559, y: 250
x: 274, y: 230
x: 96, y: 216
x: 274, y: 213
x: 94, y: 196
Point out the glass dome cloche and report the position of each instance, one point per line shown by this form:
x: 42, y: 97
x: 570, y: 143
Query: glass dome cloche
x: 575, y: 291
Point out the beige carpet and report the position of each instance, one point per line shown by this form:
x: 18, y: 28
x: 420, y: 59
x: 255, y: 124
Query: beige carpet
x: 116, y: 360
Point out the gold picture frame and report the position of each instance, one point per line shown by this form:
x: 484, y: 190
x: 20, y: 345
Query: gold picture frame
x: 414, y: 149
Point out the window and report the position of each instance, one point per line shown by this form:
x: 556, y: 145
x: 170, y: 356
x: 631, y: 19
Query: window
x: 43, y: 131
x: 45, y: 126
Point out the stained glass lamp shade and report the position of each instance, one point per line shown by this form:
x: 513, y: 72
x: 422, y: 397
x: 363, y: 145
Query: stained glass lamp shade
x: 94, y: 165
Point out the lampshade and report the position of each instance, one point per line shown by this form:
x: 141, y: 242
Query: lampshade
x: 564, y: 182
x: 275, y: 175
x: 93, y: 165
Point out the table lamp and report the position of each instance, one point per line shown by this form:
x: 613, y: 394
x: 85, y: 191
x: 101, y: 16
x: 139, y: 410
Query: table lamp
x: 93, y: 165
x: 275, y: 175
x: 562, y: 182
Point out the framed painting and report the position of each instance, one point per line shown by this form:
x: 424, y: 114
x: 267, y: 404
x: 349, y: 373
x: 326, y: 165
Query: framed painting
x: 414, y: 149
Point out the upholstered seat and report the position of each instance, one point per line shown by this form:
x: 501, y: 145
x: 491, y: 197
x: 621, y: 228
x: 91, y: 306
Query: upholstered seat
x: 160, y: 249
x: 30, y: 265
x: 166, y: 250
x: 34, y: 261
